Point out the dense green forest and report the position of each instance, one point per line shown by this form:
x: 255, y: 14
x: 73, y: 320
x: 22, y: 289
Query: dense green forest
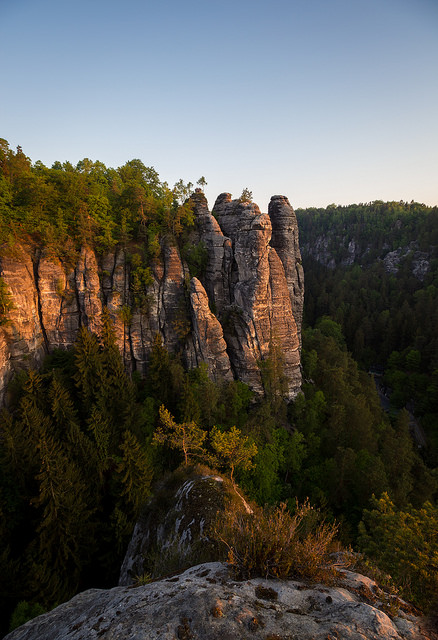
x: 389, y: 317
x: 77, y: 460
x: 78, y: 455
x: 65, y: 206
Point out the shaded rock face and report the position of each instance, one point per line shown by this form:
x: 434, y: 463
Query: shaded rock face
x: 324, y: 249
x: 205, y: 602
x: 208, y: 337
x: 249, y: 294
x: 172, y: 535
x: 420, y: 261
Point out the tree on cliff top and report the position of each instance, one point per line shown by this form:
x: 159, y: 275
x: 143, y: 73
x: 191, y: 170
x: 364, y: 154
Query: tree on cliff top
x: 186, y: 436
x: 246, y: 195
x: 234, y: 450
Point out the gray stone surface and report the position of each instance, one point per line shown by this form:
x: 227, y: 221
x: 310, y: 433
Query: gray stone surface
x: 205, y: 603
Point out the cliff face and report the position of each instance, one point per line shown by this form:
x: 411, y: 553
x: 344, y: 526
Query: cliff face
x: 248, y: 296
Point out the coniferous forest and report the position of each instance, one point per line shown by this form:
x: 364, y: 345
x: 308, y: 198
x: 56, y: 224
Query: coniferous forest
x: 78, y: 457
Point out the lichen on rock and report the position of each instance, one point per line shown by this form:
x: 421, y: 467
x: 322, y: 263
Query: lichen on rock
x: 205, y: 602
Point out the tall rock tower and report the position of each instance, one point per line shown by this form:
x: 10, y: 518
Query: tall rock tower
x: 247, y: 297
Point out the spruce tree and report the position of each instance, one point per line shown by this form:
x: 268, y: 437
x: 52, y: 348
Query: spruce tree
x: 88, y: 366
x: 65, y: 523
x: 135, y: 470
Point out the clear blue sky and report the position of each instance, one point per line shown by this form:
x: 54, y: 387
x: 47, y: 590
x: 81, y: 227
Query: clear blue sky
x: 320, y: 100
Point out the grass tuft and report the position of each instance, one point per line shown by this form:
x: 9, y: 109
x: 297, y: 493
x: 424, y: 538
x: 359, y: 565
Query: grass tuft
x: 273, y: 543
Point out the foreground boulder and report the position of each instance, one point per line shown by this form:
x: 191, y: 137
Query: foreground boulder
x: 205, y: 603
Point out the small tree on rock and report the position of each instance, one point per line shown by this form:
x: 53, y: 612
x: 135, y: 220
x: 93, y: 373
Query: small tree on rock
x: 246, y: 196
x: 233, y: 450
x: 202, y: 182
x: 187, y: 436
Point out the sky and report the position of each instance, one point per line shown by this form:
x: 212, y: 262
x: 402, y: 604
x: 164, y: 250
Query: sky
x: 324, y: 101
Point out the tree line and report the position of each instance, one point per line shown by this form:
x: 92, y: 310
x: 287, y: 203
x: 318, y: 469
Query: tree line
x: 66, y: 206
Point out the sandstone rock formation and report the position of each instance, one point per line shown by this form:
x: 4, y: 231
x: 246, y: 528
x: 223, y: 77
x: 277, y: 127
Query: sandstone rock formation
x: 208, y: 338
x: 260, y: 308
x: 205, y: 602
x: 285, y: 241
x: 173, y: 533
x: 248, y: 297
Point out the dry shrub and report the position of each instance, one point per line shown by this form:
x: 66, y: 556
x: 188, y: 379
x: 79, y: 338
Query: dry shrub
x: 273, y: 543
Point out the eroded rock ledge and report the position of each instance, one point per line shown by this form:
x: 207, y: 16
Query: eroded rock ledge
x: 249, y: 295
x: 205, y: 602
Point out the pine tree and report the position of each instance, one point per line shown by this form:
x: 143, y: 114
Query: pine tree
x: 78, y: 445
x: 135, y: 470
x: 159, y: 372
x: 117, y: 388
x: 233, y: 450
x: 100, y: 427
x: 274, y: 380
x: 187, y: 436
x: 64, y: 529
x: 88, y: 365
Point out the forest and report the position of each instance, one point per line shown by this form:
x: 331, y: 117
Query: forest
x: 78, y: 439
x: 389, y: 317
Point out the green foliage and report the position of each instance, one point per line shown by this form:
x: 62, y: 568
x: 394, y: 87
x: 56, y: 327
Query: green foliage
x: 188, y: 437
x: 76, y: 463
x: 141, y: 279
x: 202, y: 182
x: 232, y: 449
x: 276, y: 470
x: 388, y: 319
x: 6, y: 303
x: 23, y: 612
x: 272, y: 543
x: 136, y: 471
x: 196, y: 257
x: 352, y: 450
x: 74, y: 472
x: 64, y: 206
x: 246, y: 196
x: 275, y: 382
x: 405, y: 544
x: 182, y: 324
x: 331, y: 329
x: 125, y: 315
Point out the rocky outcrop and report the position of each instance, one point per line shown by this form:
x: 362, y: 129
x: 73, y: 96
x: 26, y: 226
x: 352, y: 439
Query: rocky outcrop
x: 22, y: 338
x: 285, y: 241
x: 217, y: 276
x: 247, y: 298
x: 172, y: 532
x: 209, y: 344
x: 205, y: 602
x: 420, y: 264
x: 260, y: 311
x: 325, y: 250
